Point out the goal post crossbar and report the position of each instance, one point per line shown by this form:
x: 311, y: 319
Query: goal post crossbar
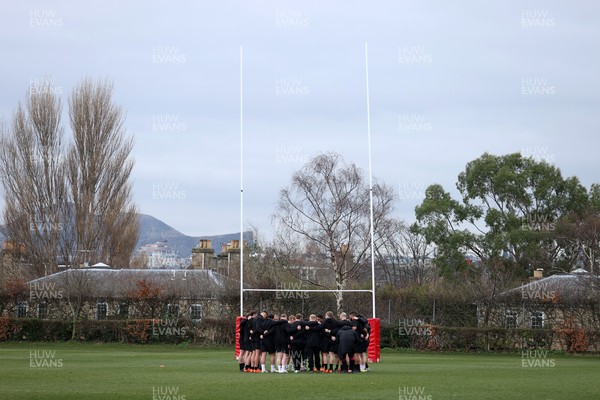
x: 311, y: 290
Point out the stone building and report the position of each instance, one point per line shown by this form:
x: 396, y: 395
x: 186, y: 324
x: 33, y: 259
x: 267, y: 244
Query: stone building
x: 101, y: 292
x: 549, y: 302
x: 226, y: 263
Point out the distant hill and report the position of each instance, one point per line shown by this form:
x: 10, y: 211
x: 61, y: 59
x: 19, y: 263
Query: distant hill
x: 153, y: 230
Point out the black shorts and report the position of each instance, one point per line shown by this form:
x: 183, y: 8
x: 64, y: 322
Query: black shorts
x: 254, y: 345
x: 363, y: 347
x: 245, y: 346
x: 282, y: 348
x: 267, y: 347
x: 324, y: 345
x: 333, y: 347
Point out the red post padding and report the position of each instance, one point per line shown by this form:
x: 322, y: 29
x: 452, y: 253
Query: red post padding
x: 237, y: 337
x: 375, y: 343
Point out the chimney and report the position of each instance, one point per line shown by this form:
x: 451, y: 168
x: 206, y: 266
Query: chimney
x: 202, y: 255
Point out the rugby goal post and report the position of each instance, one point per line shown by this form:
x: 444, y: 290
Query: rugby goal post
x: 374, y: 344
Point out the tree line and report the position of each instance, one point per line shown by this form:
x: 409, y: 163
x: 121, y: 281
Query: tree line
x: 68, y: 199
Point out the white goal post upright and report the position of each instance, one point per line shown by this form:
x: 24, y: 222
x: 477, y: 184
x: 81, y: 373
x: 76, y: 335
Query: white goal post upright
x: 370, y: 180
x: 241, y: 183
x: 242, y: 289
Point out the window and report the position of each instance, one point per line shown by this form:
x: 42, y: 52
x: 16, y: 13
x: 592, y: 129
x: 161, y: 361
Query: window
x: 537, y: 320
x: 510, y: 319
x: 42, y: 311
x: 124, y: 310
x: 101, y: 310
x: 196, y: 311
x: 173, y: 310
x: 22, y: 309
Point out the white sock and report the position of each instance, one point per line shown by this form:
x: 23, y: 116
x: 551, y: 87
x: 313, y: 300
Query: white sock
x: 262, y: 367
x: 272, y: 368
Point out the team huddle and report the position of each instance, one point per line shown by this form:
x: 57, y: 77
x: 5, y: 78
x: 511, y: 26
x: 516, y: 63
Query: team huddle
x: 321, y: 344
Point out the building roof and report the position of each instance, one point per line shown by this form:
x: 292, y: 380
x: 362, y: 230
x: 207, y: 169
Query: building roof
x: 120, y: 283
x: 577, y: 285
x: 100, y: 265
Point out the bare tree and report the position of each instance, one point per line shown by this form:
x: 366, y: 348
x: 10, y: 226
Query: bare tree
x: 68, y: 204
x: 98, y: 174
x: 486, y: 283
x: 580, y: 233
x: 32, y: 177
x: 326, y: 209
x: 77, y: 286
x: 404, y: 255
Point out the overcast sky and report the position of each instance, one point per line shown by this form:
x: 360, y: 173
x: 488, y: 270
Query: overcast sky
x: 448, y: 82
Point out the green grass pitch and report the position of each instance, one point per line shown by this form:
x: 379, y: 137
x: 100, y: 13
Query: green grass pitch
x: 50, y: 371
